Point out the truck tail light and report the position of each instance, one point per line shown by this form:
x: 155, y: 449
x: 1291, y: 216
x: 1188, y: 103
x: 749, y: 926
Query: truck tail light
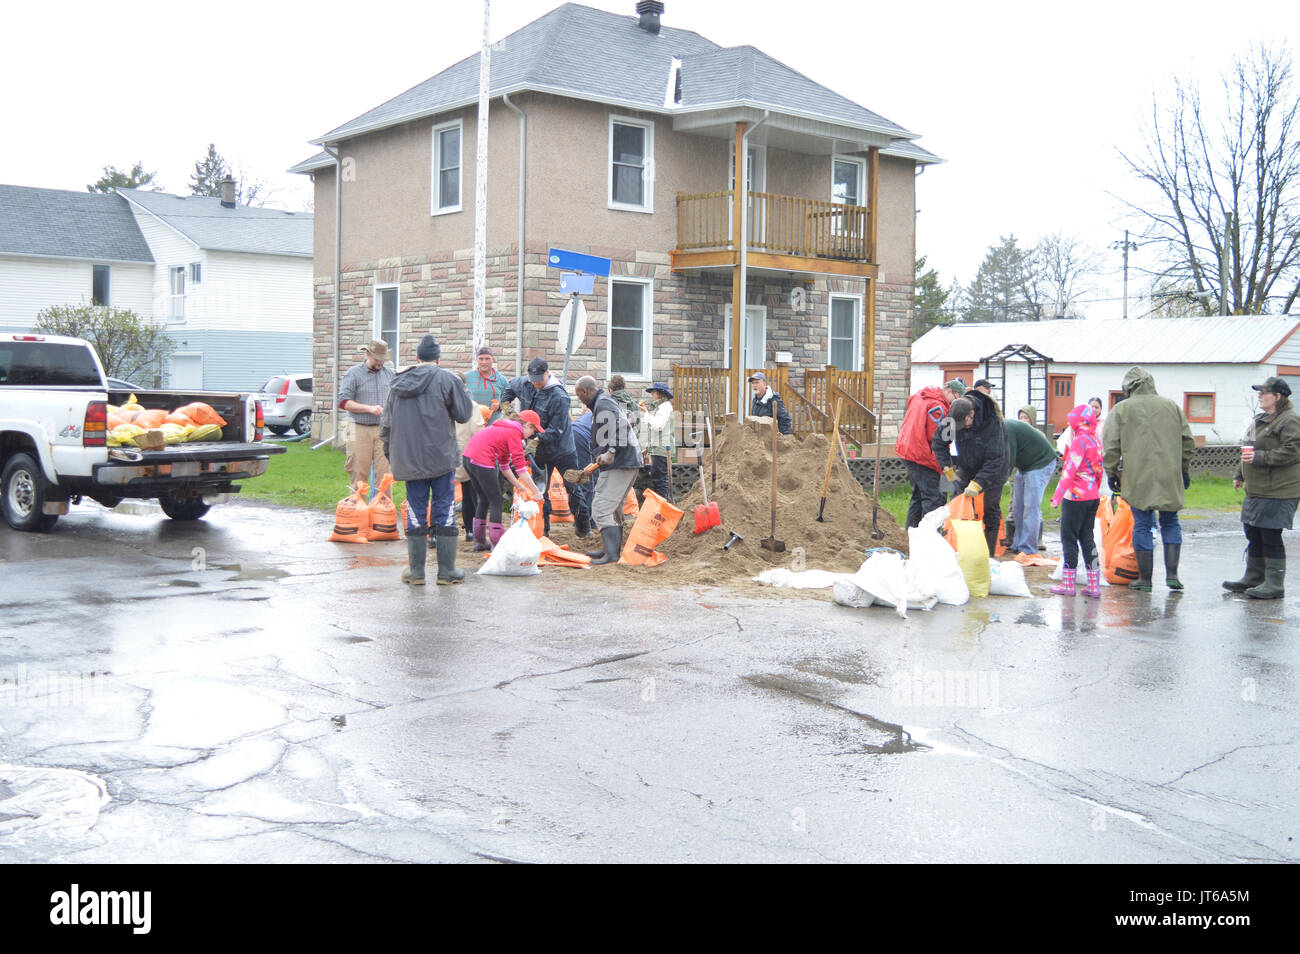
x: 94, y: 429
x: 284, y: 392
x: 258, y: 421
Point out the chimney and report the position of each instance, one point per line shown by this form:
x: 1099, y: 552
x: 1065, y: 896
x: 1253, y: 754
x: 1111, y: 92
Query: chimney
x: 228, y: 192
x: 649, y: 10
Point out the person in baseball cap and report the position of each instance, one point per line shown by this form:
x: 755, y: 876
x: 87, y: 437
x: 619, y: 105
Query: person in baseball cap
x: 766, y: 402
x: 1274, y: 385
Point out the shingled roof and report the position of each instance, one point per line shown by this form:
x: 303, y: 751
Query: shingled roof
x: 205, y: 222
x: 634, y: 69
x: 56, y: 223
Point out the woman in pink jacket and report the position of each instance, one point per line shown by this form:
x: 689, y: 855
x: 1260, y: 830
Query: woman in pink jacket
x: 1077, y: 494
x: 495, y: 450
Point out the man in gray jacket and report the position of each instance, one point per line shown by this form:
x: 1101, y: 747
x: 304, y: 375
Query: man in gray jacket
x: 614, y: 449
x: 418, y: 429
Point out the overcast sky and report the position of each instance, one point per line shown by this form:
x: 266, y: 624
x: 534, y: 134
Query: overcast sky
x: 1026, y: 102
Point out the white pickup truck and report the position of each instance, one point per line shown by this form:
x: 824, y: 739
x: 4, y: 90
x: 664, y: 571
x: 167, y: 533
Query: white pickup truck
x: 54, y: 447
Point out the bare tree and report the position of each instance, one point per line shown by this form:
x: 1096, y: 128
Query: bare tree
x: 1064, y: 270
x: 1224, y: 203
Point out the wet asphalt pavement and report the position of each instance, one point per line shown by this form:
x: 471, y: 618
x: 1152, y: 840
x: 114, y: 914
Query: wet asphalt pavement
x: 240, y: 690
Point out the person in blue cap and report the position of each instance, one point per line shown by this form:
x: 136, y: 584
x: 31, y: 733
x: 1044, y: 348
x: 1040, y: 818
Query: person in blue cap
x: 657, y: 426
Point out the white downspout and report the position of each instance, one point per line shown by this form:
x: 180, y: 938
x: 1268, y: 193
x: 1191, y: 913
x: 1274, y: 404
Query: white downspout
x: 742, y: 190
x: 519, y: 278
x: 338, y: 276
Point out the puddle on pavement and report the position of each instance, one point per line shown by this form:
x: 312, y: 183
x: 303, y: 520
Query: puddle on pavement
x: 251, y: 572
x: 841, y: 669
x: 360, y: 562
x: 888, y: 738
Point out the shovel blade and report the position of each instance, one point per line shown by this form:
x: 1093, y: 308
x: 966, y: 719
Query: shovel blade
x: 773, y: 544
x: 702, y: 519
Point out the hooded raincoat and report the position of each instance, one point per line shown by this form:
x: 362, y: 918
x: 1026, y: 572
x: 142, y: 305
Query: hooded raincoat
x: 418, y: 428
x: 1147, y: 440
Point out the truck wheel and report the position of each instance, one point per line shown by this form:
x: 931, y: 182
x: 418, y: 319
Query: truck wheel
x: 302, y: 423
x: 25, y: 491
x: 184, y: 508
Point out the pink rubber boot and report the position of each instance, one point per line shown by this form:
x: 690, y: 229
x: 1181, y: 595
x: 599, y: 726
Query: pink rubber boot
x: 1066, y: 586
x: 1094, y: 583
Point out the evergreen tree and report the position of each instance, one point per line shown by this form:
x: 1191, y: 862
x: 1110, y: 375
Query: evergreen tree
x: 114, y: 179
x: 1003, y: 289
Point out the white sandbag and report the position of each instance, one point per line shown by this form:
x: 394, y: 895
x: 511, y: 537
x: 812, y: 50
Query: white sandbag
x: 848, y: 593
x: 1007, y: 578
x: 516, y: 553
x: 884, y: 576
x: 800, y: 579
x: 932, y: 567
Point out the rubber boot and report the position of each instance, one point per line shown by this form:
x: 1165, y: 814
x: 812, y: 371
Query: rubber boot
x: 582, y: 523
x: 481, y: 536
x: 417, y: 550
x: 447, y: 541
x: 1254, y: 576
x: 1066, y: 586
x: 613, y: 537
x: 1146, y: 560
x: 1274, y: 575
x: 495, y: 532
x: 1171, y: 565
x: 1094, y: 582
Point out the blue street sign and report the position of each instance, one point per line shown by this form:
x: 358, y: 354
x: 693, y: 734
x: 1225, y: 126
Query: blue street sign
x: 576, y: 262
x: 575, y: 284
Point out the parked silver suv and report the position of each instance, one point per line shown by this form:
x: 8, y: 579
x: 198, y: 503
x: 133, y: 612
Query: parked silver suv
x: 286, y: 403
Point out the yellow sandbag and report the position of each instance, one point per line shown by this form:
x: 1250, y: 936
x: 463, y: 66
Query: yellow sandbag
x: 175, y: 433
x: 352, y: 517
x: 383, y: 515
x: 132, y: 404
x: 125, y: 433
x: 972, y: 548
x: 654, y: 524
x: 204, y: 432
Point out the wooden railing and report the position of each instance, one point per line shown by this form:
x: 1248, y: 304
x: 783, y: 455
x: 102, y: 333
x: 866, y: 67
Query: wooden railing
x: 811, y: 407
x: 781, y: 224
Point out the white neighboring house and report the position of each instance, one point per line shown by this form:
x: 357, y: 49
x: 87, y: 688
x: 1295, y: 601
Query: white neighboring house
x: 233, y: 286
x: 1205, y: 365
x: 69, y: 248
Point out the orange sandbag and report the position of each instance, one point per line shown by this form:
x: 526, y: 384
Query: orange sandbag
x: 1117, y: 545
x: 973, y: 511
x: 536, y: 524
x: 383, y: 515
x: 630, y: 508
x: 352, y: 517
x: 654, y: 524
x: 554, y: 555
x: 201, y: 414
x: 117, y: 420
x: 560, y: 512
x: 458, y: 493
x: 149, y: 419
x: 179, y: 417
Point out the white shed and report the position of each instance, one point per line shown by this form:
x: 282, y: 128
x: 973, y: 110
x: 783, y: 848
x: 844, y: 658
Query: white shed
x: 1206, y: 365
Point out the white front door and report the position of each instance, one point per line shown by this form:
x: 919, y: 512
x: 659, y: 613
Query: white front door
x: 187, y: 372
x: 753, y: 337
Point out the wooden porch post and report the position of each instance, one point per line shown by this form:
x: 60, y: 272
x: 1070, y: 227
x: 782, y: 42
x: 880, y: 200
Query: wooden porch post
x: 737, y: 375
x: 873, y: 212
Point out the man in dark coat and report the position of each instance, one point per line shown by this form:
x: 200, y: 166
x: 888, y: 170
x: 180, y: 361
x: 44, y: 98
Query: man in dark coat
x: 418, y: 429
x: 615, y: 450
x: 544, y: 393
x: 974, y: 430
x: 767, y: 403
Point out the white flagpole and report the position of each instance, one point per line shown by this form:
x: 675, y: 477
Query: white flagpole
x: 480, y: 190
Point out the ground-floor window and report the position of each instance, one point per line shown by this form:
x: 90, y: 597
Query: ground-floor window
x: 845, y: 350
x: 386, y: 301
x: 630, y: 328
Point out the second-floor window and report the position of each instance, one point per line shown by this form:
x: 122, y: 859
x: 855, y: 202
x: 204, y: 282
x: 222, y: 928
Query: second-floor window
x: 196, y: 273
x: 846, y: 180
x: 178, y: 291
x: 446, y: 168
x: 631, y: 165
x: 99, y: 283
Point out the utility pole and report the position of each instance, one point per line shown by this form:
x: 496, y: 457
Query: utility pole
x: 479, y: 331
x: 1128, y: 246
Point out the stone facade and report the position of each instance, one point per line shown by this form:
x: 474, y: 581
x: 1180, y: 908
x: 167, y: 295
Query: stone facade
x: 436, y: 294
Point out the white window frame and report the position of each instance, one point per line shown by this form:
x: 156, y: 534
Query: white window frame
x: 377, y: 323
x: 177, y: 298
x: 108, y: 283
x: 862, y: 178
x: 647, y: 167
x: 759, y: 311
x: 196, y: 273
x: 435, y: 180
x: 647, y: 330
x: 858, y: 330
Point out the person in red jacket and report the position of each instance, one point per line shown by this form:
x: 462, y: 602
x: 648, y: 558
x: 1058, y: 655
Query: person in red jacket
x: 495, y: 451
x: 925, y: 409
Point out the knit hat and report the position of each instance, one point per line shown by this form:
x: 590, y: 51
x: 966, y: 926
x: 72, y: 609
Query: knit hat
x: 429, y: 349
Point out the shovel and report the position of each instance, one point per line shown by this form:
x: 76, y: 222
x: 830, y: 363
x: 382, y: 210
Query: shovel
x: 706, y: 514
x: 772, y: 543
x: 876, y: 532
x: 830, y: 461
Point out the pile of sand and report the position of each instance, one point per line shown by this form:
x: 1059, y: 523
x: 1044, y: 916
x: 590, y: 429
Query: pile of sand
x: 744, y: 495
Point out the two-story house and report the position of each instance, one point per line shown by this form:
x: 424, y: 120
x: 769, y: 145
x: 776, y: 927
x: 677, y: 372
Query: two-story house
x: 616, y: 136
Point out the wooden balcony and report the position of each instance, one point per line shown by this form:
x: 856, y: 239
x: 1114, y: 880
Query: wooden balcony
x: 785, y: 232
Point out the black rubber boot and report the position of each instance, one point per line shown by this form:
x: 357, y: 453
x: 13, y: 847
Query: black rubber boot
x: 1254, y: 576
x: 613, y: 537
x: 1274, y: 575
x: 582, y: 523
x: 1146, y: 560
x: 447, y: 540
x: 417, y: 550
x: 1172, y: 551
